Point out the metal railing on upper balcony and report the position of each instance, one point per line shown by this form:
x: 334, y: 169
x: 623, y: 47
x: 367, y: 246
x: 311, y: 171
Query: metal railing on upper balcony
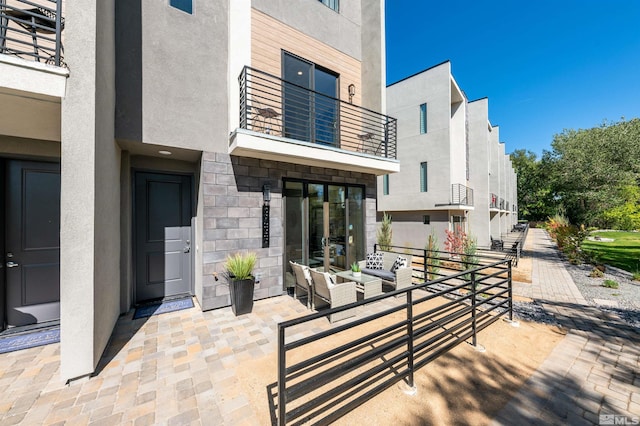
x: 493, y: 204
x: 32, y: 30
x: 461, y: 194
x: 276, y: 107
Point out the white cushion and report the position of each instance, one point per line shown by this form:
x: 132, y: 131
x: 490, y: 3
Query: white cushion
x: 401, y: 262
x: 307, y: 274
x: 374, y: 260
x: 331, y: 282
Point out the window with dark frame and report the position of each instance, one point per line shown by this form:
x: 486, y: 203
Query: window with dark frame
x: 332, y: 4
x: 385, y: 185
x: 423, y: 118
x: 423, y: 177
x: 183, y: 5
x: 426, y: 219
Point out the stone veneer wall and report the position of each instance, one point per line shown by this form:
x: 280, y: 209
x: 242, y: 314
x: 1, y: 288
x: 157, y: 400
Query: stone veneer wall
x: 233, y: 217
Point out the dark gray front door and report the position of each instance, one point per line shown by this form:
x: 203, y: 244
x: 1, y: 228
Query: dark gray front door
x: 32, y: 248
x: 162, y: 232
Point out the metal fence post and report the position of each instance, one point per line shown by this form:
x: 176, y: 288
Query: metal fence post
x: 282, y: 376
x: 510, y: 284
x: 425, y: 266
x: 473, y: 307
x: 410, y: 333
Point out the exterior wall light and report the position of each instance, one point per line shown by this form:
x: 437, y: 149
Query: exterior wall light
x: 352, y: 92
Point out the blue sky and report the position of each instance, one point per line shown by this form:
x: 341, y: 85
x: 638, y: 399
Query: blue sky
x: 544, y: 65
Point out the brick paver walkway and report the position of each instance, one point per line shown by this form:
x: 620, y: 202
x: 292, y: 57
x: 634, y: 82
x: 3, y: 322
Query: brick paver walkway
x: 175, y: 369
x: 594, y: 371
x: 179, y: 368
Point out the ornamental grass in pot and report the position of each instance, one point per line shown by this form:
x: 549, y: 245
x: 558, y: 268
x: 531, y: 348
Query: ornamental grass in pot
x: 239, y: 269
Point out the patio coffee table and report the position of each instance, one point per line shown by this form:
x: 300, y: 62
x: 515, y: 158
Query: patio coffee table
x: 367, y: 284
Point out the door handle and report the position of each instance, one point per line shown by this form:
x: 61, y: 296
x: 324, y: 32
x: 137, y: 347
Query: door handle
x: 12, y: 264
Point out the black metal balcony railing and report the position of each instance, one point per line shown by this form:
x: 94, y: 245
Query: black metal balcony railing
x: 273, y: 106
x: 461, y: 195
x: 32, y: 30
x: 493, y: 204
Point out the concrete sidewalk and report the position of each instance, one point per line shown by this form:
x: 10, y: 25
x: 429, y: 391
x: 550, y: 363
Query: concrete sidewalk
x: 593, y: 372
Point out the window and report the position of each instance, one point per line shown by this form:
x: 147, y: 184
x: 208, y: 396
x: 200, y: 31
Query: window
x: 385, y: 185
x: 333, y: 4
x: 183, y: 5
x: 423, y: 177
x: 426, y: 219
x: 423, y: 118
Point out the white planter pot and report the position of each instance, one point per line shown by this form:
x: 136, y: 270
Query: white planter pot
x: 356, y: 274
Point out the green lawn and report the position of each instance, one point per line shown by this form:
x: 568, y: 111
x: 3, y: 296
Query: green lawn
x: 623, y: 252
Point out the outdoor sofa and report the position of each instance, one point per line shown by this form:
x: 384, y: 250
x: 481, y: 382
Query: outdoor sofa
x: 392, y: 270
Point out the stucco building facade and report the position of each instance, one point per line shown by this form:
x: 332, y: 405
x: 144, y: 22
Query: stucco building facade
x: 454, y: 167
x: 145, y: 151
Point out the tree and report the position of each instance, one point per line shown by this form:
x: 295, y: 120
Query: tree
x: 588, y: 169
x: 625, y: 216
x: 535, y: 196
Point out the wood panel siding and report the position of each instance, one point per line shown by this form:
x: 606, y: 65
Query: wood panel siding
x: 269, y: 37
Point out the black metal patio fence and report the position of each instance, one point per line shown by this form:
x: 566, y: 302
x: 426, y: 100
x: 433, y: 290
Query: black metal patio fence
x: 328, y: 374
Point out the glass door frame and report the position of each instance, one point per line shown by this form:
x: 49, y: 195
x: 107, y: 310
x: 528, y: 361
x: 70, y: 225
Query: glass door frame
x: 327, y: 236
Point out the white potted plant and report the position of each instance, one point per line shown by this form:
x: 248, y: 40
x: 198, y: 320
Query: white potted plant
x: 355, y: 269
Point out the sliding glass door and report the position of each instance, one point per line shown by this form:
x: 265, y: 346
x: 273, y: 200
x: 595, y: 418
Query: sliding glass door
x: 324, y: 224
x: 310, y: 108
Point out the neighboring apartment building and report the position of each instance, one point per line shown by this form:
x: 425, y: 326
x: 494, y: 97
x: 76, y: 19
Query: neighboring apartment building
x: 453, y: 165
x: 146, y: 150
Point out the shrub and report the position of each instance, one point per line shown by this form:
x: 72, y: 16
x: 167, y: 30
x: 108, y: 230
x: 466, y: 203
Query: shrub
x: 455, y: 240
x: 433, y: 260
x: 636, y: 276
x: 469, y: 258
x: 385, y: 233
x: 610, y: 284
x: 596, y: 273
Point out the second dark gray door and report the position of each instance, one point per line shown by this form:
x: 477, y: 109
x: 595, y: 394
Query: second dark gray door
x: 162, y: 233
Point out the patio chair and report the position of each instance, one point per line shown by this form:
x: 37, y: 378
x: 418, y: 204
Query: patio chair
x: 496, y: 244
x: 303, y: 283
x: 334, y: 294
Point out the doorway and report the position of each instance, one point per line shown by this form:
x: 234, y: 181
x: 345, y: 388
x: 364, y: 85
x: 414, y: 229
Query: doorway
x: 310, y: 107
x: 163, y: 206
x: 30, y: 276
x: 324, y: 224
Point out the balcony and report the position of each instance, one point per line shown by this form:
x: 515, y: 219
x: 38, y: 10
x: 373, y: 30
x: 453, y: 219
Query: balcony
x: 501, y: 203
x: 493, y: 203
x: 32, y: 30
x: 282, y: 121
x: 33, y: 77
x: 461, y: 198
